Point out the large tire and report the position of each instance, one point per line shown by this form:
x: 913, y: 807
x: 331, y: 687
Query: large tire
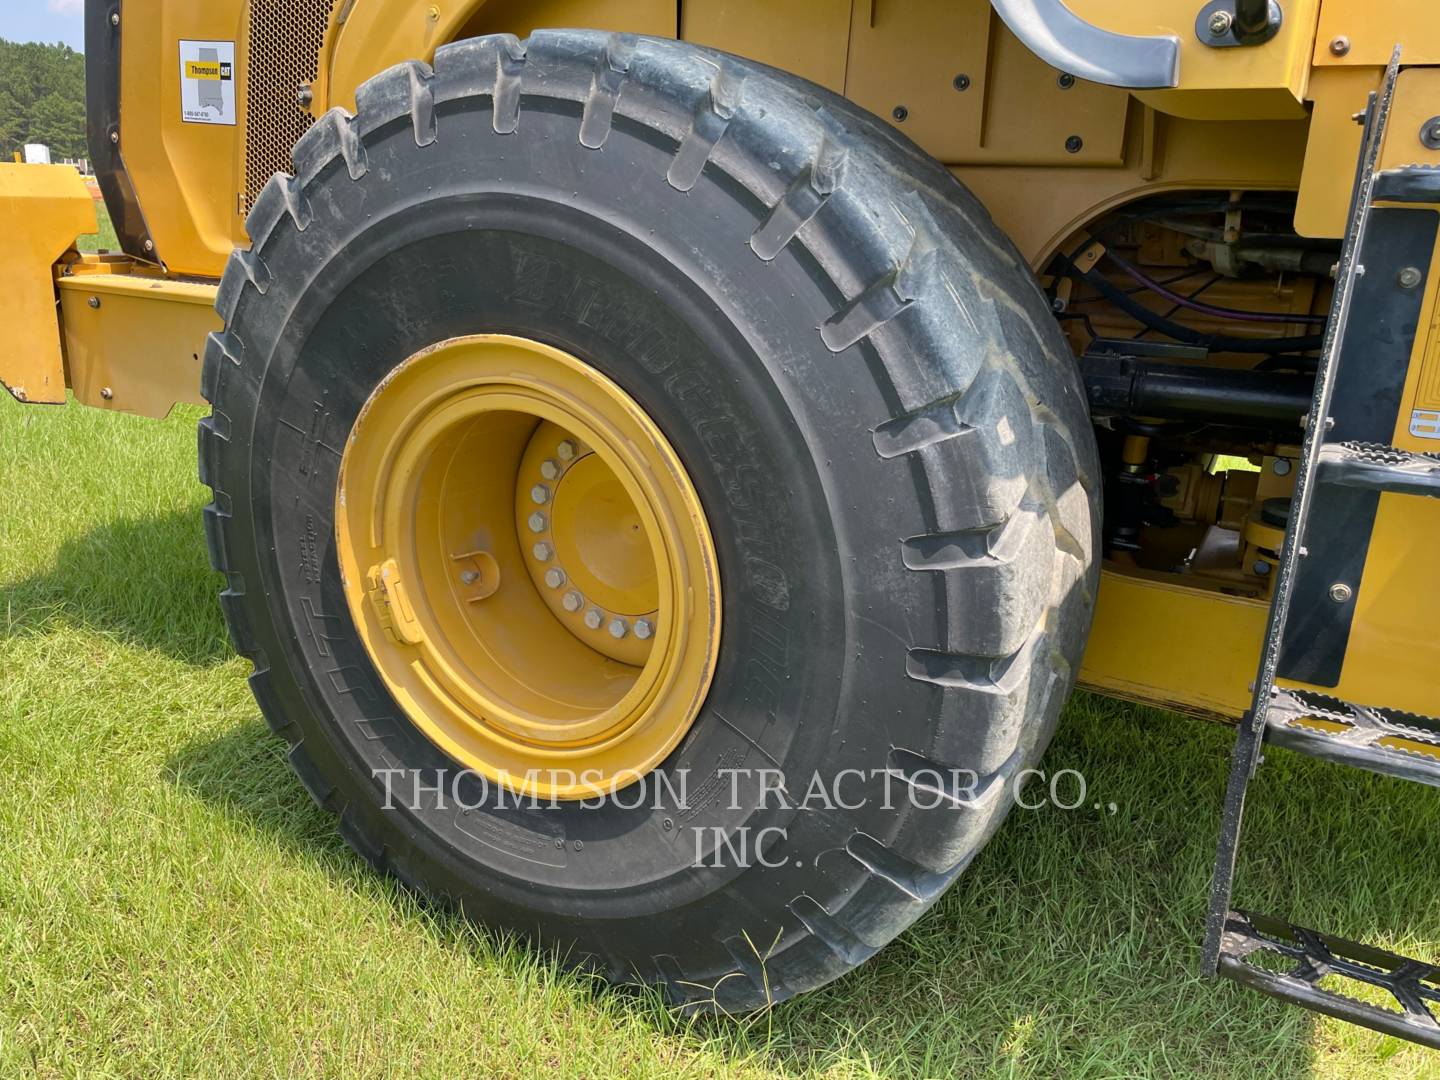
x: 863, y: 380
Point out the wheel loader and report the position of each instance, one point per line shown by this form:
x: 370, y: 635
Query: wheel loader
x: 619, y: 435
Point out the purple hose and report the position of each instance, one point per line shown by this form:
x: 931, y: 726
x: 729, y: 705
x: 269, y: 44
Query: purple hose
x: 1206, y: 309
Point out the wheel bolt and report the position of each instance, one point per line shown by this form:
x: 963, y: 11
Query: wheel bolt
x: 554, y: 577
x: 643, y: 629
x: 469, y: 577
x: 618, y: 629
x: 572, y: 601
x: 543, y: 551
x: 536, y: 523
x: 549, y: 468
x: 593, y: 618
x: 565, y: 451
x: 540, y: 494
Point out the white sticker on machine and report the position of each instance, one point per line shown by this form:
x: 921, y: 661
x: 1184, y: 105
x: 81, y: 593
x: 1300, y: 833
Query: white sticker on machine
x: 207, y: 82
x: 1425, y: 423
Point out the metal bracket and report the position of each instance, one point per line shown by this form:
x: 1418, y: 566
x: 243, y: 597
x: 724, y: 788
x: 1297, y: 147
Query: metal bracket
x: 1230, y: 24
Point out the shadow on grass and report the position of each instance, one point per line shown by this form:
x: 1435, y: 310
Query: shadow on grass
x: 143, y: 581
x: 1073, y: 939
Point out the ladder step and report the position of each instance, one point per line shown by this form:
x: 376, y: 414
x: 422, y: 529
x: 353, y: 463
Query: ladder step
x: 1380, y: 468
x: 1386, y: 741
x: 1315, y: 970
x: 1408, y: 184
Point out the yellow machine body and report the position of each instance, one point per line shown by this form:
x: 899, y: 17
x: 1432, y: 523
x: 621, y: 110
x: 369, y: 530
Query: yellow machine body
x: 1046, y: 153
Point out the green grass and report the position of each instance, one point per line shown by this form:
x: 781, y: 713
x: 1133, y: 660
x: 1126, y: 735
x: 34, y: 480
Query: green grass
x: 104, y: 239
x: 172, y: 904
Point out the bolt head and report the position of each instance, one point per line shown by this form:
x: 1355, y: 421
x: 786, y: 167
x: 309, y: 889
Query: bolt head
x: 149, y: 245
x: 1282, y: 466
x: 961, y: 83
x: 900, y: 112
x: 1065, y: 80
x: 549, y: 468
x: 1340, y: 592
x: 469, y: 577
x: 1073, y: 144
x: 1220, y: 23
x: 554, y: 577
x: 106, y: 393
x: 304, y: 95
x: 114, y: 18
x: 115, y: 137
x: 543, y: 551
x: 565, y: 451
x: 572, y: 601
x: 536, y: 522
x: 1261, y: 568
x: 1339, y: 45
x: 540, y: 494
x: 593, y: 618
x: 643, y: 629
x: 1409, y: 277
x: 618, y: 628
x: 94, y: 301
x: 1430, y: 133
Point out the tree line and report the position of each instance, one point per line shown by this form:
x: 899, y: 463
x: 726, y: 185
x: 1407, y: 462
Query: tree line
x: 42, y: 99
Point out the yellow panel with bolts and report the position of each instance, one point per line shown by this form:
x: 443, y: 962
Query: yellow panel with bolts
x: 1361, y: 32
x: 923, y: 67
x: 1412, y: 136
x: 43, y: 208
x: 133, y: 343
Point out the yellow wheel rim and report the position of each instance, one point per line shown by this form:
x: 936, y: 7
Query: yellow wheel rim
x: 528, y: 566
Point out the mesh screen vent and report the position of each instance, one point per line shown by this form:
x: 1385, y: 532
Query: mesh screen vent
x: 285, y: 41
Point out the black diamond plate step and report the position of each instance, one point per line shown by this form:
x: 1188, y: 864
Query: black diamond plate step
x: 1382, y: 740
x: 1314, y: 970
x: 1379, y: 468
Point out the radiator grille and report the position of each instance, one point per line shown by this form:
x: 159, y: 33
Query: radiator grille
x: 285, y: 41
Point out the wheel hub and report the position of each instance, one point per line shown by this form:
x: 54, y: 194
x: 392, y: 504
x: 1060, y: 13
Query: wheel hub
x: 589, y: 554
x: 528, y: 566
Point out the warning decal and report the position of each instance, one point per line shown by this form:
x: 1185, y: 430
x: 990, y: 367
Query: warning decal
x: 207, y: 82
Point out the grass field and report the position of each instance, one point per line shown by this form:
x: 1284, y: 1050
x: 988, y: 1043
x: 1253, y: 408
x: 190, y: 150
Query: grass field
x: 104, y: 239
x: 172, y: 904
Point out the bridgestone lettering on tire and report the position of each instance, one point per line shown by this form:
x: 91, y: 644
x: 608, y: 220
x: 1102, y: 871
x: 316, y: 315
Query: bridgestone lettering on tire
x: 865, y: 385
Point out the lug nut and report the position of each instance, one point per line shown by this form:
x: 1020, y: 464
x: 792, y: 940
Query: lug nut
x: 572, y: 601
x: 643, y: 629
x: 618, y: 629
x: 593, y: 618
x: 549, y: 469
x: 469, y: 577
x: 554, y: 577
x: 536, y: 522
x: 543, y: 551
x: 540, y: 494
x: 565, y: 451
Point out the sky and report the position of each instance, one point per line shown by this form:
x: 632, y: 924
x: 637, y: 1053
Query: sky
x: 44, y: 20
